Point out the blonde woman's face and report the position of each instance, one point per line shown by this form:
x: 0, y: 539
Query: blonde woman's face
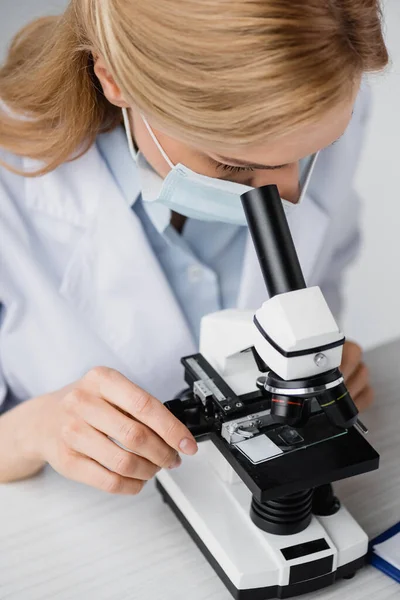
x: 273, y: 162
x: 276, y: 162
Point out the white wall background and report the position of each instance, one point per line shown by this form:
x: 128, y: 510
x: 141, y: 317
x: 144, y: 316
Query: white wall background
x: 373, y: 284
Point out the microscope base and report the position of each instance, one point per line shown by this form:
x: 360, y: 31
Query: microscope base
x: 255, y: 565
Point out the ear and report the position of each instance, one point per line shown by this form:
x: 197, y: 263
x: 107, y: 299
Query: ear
x: 110, y: 88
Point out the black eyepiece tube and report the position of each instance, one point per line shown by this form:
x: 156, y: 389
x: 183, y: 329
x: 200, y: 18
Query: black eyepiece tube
x: 272, y: 240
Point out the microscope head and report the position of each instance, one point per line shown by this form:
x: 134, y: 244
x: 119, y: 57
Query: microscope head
x: 297, y: 340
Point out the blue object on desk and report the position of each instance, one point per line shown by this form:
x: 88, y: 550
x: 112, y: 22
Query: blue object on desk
x: 383, y: 565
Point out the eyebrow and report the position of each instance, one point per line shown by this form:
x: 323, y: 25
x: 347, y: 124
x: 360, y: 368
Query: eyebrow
x: 239, y: 163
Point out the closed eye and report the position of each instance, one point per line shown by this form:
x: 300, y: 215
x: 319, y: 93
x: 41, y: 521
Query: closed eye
x: 241, y: 169
x: 232, y: 169
x: 237, y: 169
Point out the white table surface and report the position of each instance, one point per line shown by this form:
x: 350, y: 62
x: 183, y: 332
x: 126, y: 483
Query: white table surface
x: 60, y: 540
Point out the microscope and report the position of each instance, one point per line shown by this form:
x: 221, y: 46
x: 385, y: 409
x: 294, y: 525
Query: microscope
x: 277, y: 424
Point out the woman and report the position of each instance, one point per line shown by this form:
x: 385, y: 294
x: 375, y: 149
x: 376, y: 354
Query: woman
x: 109, y: 263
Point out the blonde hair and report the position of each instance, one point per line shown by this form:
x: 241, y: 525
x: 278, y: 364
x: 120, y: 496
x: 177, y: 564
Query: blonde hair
x: 214, y: 71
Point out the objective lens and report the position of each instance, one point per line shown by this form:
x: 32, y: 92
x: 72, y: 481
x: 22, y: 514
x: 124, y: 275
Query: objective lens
x: 287, y: 409
x: 339, y: 407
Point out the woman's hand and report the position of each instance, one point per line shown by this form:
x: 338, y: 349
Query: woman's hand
x: 74, y: 426
x: 356, y: 375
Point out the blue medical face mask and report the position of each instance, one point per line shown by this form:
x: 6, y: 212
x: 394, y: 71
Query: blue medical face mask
x: 191, y: 194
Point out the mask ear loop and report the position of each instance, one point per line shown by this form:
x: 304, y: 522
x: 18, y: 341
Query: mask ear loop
x: 308, y: 177
x: 157, y: 143
x: 128, y: 132
x: 132, y: 150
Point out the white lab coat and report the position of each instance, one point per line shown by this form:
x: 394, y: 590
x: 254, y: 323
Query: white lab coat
x: 80, y: 285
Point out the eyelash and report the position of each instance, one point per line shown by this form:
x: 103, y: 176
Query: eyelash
x: 232, y: 169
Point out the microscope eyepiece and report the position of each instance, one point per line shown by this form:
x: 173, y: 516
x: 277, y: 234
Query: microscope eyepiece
x: 272, y: 240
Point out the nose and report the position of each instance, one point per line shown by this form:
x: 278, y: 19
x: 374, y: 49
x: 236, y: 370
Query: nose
x: 286, y: 179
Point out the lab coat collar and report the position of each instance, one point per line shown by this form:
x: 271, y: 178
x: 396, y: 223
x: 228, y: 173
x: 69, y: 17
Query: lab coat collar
x: 114, y: 149
x: 112, y: 279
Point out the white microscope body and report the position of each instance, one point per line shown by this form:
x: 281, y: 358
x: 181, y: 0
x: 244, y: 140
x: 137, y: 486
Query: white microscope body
x: 210, y: 498
x: 257, y: 499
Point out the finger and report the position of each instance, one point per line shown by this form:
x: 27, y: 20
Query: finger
x: 85, y: 470
x: 352, y: 356
x: 130, y: 433
x: 118, y: 390
x: 365, y: 399
x: 95, y: 445
x: 358, y: 381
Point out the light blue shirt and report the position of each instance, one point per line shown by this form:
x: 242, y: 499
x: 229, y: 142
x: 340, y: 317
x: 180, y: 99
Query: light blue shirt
x: 203, y: 264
